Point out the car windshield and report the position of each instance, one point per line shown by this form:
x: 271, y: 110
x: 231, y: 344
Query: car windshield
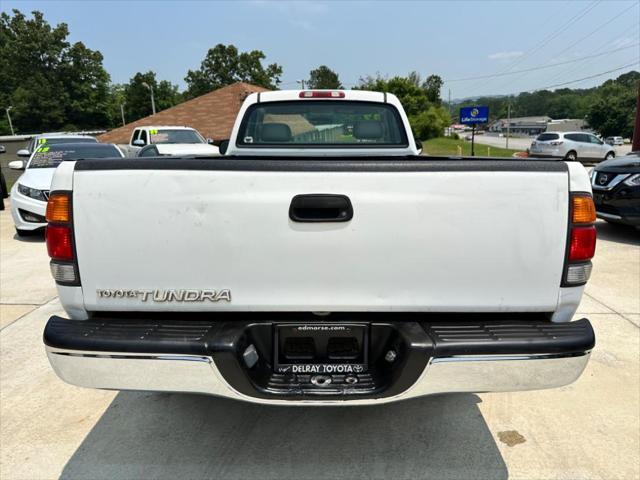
x: 545, y: 137
x: 50, y: 156
x: 175, y: 136
x: 57, y: 140
x: 318, y: 123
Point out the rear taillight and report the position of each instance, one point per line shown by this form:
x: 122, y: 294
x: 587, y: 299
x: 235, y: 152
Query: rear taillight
x: 582, y: 240
x: 582, y: 245
x: 60, y: 242
x: 321, y: 94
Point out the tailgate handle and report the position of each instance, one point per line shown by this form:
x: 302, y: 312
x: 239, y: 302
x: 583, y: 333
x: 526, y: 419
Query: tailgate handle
x: 320, y: 207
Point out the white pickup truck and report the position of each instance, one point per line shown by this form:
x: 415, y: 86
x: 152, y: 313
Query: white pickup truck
x: 168, y: 140
x: 322, y: 260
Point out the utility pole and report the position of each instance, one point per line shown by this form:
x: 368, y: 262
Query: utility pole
x: 449, y: 102
x: 9, y: 118
x: 635, y: 146
x: 473, y: 140
x: 153, y: 102
x: 301, y: 82
x: 508, y: 122
x: 122, y: 113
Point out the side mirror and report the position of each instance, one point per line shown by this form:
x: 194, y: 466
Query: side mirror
x: 224, y: 145
x: 210, y: 141
x: 2, y: 149
x: 23, y: 152
x: 419, y: 145
x: 17, y: 165
x: 139, y: 143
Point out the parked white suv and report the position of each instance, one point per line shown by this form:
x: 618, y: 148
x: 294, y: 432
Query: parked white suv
x: 571, y: 146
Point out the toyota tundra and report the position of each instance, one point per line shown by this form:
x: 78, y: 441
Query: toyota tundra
x: 321, y: 260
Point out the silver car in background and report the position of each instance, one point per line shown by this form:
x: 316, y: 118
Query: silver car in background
x: 571, y: 146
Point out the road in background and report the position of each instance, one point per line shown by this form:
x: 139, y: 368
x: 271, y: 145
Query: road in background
x: 589, y: 429
x: 519, y: 143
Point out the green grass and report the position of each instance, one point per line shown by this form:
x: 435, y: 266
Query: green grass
x: 446, y: 146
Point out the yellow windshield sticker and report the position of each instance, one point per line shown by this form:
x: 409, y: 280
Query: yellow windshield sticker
x: 153, y: 132
x: 42, y: 140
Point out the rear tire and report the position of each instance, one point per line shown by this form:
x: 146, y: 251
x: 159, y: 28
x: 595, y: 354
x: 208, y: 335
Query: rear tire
x: 610, y: 155
x: 571, y: 156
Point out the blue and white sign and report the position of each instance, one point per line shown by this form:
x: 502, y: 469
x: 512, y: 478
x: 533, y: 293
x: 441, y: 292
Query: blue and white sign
x: 471, y: 115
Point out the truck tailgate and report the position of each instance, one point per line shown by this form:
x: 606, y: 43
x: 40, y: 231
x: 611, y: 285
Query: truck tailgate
x: 443, y: 237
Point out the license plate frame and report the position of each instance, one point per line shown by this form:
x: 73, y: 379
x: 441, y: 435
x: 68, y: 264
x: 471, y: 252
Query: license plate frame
x: 331, y: 354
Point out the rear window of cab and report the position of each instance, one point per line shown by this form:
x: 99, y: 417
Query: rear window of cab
x: 545, y: 137
x: 321, y: 124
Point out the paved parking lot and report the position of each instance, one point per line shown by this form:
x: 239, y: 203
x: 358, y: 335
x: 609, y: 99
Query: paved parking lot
x: 590, y: 429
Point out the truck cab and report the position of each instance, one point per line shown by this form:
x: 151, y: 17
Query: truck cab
x: 150, y: 135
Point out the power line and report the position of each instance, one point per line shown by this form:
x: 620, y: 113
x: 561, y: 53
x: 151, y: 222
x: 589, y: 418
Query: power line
x: 589, y: 77
x: 597, y: 29
x: 559, y: 31
x: 618, y: 37
x: 548, y: 38
x: 540, y: 67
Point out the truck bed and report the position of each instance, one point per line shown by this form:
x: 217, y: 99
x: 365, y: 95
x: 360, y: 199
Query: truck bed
x: 427, y: 234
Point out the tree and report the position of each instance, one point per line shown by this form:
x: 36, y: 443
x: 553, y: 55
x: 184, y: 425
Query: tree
x: 411, y: 95
x: 49, y: 82
x: 223, y: 65
x: 613, y: 113
x: 323, y: 78
x: 137, y: 96
x: 432, y: 86
x: 420, y: 100
x: 87, y: 84
x: 430, y: 123
x: 116, y: 98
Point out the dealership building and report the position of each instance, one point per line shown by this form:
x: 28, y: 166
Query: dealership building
x: 536, y: 125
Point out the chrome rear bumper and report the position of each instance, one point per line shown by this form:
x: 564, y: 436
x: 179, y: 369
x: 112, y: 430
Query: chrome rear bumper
x: 443, y: 372
x: 199, y: 374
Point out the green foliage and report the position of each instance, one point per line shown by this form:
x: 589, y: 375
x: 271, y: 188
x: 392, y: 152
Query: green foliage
x: 432, y: 86
x: 223, y: 65
x: 116, y: 98
x: 137, y: 97
x: 48, y: 81
x: 421, y: 101
x: 413, y: 98
x: 613, y: 113
x: 430, y: 123
x: 608, y: 108
x: 323, y: 78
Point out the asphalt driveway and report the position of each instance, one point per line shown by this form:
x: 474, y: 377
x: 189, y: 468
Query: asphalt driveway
x: 590, y: 429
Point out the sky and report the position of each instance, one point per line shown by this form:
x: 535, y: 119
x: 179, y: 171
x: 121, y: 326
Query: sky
x: 458, y: 40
